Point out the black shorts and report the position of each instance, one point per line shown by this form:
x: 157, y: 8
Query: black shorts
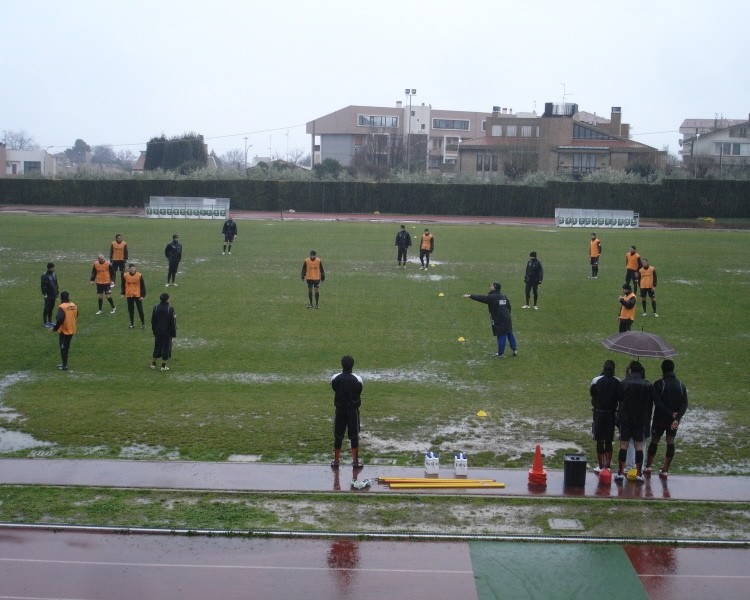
x: 650, y: 291
x: 103, y: 288
x: 659, y: 429
x: 594, y: 260
x: 313, y: 282
x: 637, y: 432
x: 603, y: 425
x: 228, y: 238
x: 118, y: 265
x: 346, y: 420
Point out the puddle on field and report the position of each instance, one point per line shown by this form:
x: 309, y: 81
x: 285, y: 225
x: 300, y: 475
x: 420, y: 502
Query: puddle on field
x: 12, y: 441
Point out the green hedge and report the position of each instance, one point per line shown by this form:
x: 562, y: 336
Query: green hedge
x: 677, y: 199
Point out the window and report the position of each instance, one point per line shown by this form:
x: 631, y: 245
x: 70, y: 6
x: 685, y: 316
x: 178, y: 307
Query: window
x: 497, y: 131
x: 584, y: 163
x: 584, y: 133
x: 450, y: 124
x: 376, y: 121
x: 487, y: 162
x: 525, y: 130
x: 32, y: 166
x: 437, y: 143
x: 511, y: 130
x: 731, y: 149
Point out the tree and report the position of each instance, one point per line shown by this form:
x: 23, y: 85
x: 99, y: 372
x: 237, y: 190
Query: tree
x: 79, y: 152
x: 233, y: 159
x: 18, y: 140
x: 328, y: 168
x: 126, y: 158
x: 185, y: 154
x: 103, y: 155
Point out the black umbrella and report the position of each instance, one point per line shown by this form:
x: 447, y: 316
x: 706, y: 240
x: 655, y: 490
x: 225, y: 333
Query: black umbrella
x: 639, y: 344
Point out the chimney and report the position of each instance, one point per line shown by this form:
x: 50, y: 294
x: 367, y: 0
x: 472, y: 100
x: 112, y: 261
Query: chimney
x: 615, y: 125
x: 495, y: 111
x: 398, y: 103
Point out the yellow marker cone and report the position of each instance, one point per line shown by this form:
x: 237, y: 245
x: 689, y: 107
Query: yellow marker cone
x: 461, y: 339
x: 441, y: 294
x: 481, y: 413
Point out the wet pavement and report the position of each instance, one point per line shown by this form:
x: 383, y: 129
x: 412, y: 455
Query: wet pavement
x: 321, y: 478
x: 46, y: 564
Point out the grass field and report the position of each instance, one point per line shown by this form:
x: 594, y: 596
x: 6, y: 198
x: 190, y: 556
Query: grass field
x: 249, y: 378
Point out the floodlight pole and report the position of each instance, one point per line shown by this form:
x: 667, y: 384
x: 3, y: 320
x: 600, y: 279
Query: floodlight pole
x: 247, y: 147
x: 409, y: 92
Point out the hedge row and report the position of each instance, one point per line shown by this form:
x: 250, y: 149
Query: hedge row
x: 677, y: 199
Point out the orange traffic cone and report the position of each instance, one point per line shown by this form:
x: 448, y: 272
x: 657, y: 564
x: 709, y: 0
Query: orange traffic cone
x: 537, y: 474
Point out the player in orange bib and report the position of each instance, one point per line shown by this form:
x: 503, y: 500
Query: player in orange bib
x: 313, y: 273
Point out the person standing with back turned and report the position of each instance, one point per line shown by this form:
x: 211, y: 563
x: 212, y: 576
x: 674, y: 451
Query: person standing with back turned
x: 164, y: 328
x: 403, y: 242
x: 347, y: 399
x: 67, y: 326
x: 670, y: 405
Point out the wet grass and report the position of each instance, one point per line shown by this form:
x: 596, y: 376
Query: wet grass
x: 251, y: 363
x: 353, y: 513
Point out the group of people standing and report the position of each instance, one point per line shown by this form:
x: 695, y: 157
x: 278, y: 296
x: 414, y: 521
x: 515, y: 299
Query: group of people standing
x: 133, y: 289
x: 639, y: 409
x: 638, y: 272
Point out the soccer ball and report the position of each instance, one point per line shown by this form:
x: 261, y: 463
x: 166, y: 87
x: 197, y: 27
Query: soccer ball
x: 632, y: 474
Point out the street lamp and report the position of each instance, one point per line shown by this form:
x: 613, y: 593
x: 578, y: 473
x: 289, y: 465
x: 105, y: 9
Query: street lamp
x: 409, y: 92
x: 247, y: 147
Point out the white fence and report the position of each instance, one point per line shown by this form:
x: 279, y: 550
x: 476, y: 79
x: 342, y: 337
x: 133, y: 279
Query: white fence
x: 175, y: 207
x: 583, y: 217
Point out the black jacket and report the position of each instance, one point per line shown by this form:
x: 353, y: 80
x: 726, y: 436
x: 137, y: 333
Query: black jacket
x: 670, y: 396
x: 49, y: 284
x: 636, y: 401
x: 605, y: 393
x: 164, y: 320
x: 499, y: 307
x: 403, y: 239
x: 348, y: 390
x: 534, y: 272
x: 173, y: 252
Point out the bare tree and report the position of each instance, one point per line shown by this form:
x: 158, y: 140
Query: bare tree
x: 234, y: 159
x: 19, y: 140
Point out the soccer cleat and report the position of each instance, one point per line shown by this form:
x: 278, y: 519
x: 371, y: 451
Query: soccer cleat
x: 229, y: 252
x: 619, y: 478
x: 358, y: 464
x: 645, y: 314
x: 62, y: 367
x: 143, y: 326
x: 131, y: 326
x: 525, y: 306
x: 536, y: 308
x: 515, y: 352
x: 647, y: 470
x: 663, y: 474
x: 174, y: 284
x: 152, y: 366
x: 309, y: 306
x: 166, y: 285
x: 223, y: 253
x: 98, y: 312
x: 111, y: 284
x: 597, y: 469
x: 656, y: 315
x: 498, y: 355
x: 113, y: 311
x: 639, y: 479
x: 334, y: 464
x: 316, y: 306
x: 165, y: 368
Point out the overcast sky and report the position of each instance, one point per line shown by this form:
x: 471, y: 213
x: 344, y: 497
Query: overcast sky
x: 119, y: 72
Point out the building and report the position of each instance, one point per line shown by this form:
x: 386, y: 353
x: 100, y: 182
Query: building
x: 560, y: 141
x: 715, y: 146
x: 414, y: 136
x: 27, y: 162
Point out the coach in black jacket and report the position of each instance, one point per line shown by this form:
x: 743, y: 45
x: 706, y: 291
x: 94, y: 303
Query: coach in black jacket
x: 502, y: 326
